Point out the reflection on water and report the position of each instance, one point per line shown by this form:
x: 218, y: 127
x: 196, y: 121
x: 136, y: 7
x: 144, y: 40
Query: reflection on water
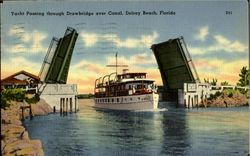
x: 177, y: 131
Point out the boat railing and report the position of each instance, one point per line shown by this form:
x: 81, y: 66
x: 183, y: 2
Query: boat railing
x: 122, y: 92
x: 96, y: 84
x: 103, y: 82
x: 115, y: 78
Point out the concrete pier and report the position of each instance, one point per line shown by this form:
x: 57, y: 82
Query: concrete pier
x: 59, y: 96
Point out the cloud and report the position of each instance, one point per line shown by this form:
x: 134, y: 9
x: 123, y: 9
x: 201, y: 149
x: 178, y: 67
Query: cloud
x: 227, y: 45
x: 219, y: 69
x: 19, y: 31
x: 203, y: 63
x: 196, y: 50
x: 221, y: 44
x: 18, y: 64
x: 222, y: 40
x: 134, y: 60
x: 83, y: 85
x: 141, y: 58
x: 88, y: 66
x: 30, y: 42
x: 203, y: 32
x: 89, y: 38
x: 142, y: 42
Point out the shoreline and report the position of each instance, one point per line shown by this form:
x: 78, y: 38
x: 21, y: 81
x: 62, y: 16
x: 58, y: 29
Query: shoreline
x: 236, y: 100
x: 14, y: 137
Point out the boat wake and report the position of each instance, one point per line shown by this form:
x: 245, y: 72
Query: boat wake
x: 152, y: 110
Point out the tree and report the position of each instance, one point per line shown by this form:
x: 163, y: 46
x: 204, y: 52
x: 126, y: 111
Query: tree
x: 213, y: 83
x: 206, y: 80
x: 244, y: 77
x: 225, y: 83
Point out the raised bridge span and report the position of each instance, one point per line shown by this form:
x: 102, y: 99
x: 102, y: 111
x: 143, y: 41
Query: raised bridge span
x: 175, y: 65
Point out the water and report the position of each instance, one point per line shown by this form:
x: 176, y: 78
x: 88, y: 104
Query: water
x: 178, y: 131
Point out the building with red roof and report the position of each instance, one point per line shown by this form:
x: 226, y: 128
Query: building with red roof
x: 21, y: 79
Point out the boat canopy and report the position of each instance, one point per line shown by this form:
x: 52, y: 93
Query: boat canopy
x: 131, y: 75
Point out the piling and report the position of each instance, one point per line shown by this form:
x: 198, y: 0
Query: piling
x: 63, y: 105
x: 23, y: 113
x: 70, y: 105
x: 54, y: 109
x: 188, y: 101
x: 205, y: 101
x: 67, y: 102
x: 60, y: 105
x: 197, y: 101
x: 31, y: 112
x: 75, y: 103
x: 192, y: 102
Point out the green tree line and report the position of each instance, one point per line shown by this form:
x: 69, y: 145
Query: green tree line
x: 243, y: 81
x: 18, y: 95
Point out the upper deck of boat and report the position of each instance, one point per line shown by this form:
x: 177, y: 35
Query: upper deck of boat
x: 132, y: 75
x: 124, y: 78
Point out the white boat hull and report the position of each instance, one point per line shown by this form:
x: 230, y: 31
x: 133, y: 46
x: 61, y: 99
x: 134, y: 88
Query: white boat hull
x: 131, y: 102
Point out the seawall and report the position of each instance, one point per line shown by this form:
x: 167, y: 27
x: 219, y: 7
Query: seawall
x: 14, y: 138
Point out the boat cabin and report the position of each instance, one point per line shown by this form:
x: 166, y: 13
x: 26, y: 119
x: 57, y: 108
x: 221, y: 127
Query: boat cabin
x: 132, y: 75
x: 124, y: 85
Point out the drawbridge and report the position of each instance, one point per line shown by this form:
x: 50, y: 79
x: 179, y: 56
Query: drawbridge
x: 175, y: 64
x: 54, y: 73
x: 56, y: 63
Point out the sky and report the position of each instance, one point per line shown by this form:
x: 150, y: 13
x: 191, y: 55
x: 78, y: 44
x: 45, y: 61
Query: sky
x: 216, y: 34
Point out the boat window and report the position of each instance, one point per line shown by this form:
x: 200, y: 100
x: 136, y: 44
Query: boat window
x: 129, y: 87
x: 117, y: 99
x: 112, y: 100
x: 131, y: 99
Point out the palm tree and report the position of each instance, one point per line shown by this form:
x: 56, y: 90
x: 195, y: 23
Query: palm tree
x: 213, y: 83
x: 244, y: 77
x: 225, y: 83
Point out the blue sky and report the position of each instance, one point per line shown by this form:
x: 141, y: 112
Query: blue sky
x: 218, y: 42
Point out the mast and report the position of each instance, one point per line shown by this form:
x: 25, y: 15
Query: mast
x: 116, y: 64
